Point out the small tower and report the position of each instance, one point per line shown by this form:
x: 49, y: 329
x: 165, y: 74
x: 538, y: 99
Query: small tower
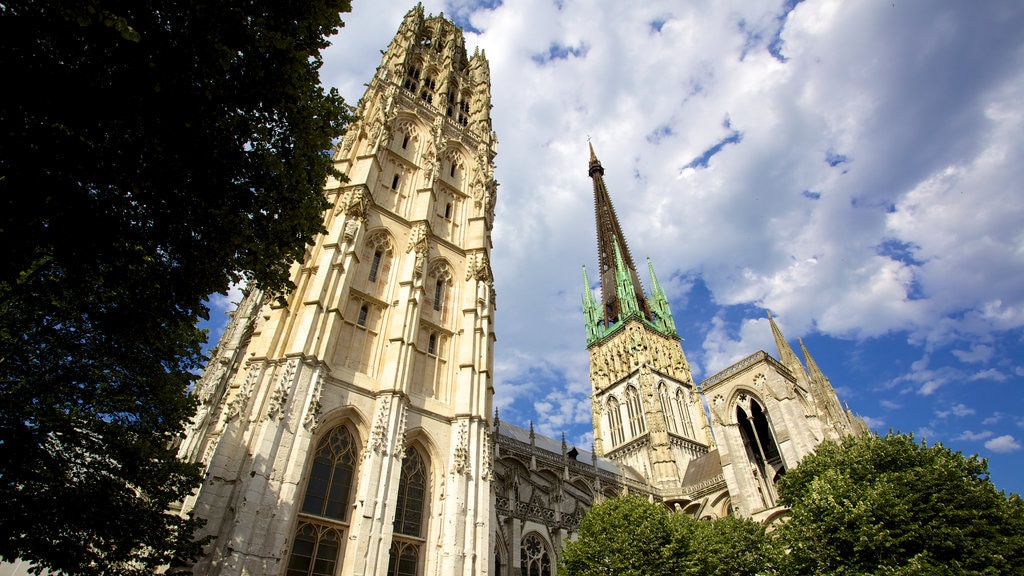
x: 347, y: 426
x: 647, y: 412
x: 767, y: 415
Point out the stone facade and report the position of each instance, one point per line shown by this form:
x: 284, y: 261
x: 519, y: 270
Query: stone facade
x: 349, y: 429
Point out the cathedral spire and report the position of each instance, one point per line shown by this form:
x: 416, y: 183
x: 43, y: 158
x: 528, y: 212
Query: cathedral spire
x: 659, y: 304
x: 786, y: 354
x: 611, y: 244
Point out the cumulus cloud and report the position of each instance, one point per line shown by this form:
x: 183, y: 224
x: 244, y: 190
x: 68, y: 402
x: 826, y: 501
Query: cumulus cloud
x: 958, y: 410
x: 1004, y: 443
x: 974, y: 436
x: 976, y: 353
x: 852, y: 166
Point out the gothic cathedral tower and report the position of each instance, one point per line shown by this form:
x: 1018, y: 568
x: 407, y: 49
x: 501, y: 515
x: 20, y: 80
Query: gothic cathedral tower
x: 345, y: 429
x: 647, y: 412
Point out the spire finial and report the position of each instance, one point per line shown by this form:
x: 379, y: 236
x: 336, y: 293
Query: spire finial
x: 786, y: 354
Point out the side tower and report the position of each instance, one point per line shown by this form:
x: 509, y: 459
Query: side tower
x: 647, y: 412
x: 767, y: 415
x: 345, y: 428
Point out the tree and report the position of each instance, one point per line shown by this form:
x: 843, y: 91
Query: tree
x: 151, y: 154
x: 628, y: 535
x: 728, y: 546
x: 625, y: 536
x: 890, y: 505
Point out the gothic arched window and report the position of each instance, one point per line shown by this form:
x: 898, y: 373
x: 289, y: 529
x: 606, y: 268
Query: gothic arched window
x: 432, y: 344
x: 410, y: 513
x: 438, y: 294
x: 634, y: 409
x: 323, y: 519
x: 364, y: 311
x: 667, y: 409
x: 375, y: 265
x: 615, y: 422
x: 686, y: 425
x: 762, y: 450
x: 533, y: 557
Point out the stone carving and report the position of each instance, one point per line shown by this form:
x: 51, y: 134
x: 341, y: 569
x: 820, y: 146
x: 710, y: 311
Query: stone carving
x: 487, y: 466
x: 378, y: 441
x: 478, y: 267
x: 460, y: 459
x: 312, y: 419
x: 399, y: 446
x: 241, y: 399
x: 717, y: 405
x: 279, y: 397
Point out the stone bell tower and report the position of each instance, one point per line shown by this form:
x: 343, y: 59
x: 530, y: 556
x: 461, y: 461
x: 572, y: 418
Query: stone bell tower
x: 647, y: 412
x: 345, y: 429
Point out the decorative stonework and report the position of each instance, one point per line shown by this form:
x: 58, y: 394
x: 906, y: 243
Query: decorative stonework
x: 478, y: 267
x: 460, y: 459
x: 241, y: 399
x: 279, y: 396
x: 619, y: 356
x: 398, y: 448
x: 312, y: 419
x: 378, y: 441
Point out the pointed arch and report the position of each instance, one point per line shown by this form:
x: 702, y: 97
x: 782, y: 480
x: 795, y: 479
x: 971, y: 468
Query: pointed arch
x: 667, y: 408
x: 412, y: 513
x: 635, y: 411
x: 682, y: 402
x: 615, y: 421
x: 327, y: 496
x: 440, y: 288
x: 535, y: 557
x: 759, y: 443
x: 378, y: 252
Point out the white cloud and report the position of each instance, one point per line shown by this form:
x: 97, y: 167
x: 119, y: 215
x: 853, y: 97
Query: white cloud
x: 867, y: 185
x: 958, y: 410
x: 974, y: 436
x: 889, y: 404
x: 977, y: 353
x: 1003, y: 444
x: 873, y: 423
x: 990, y: 374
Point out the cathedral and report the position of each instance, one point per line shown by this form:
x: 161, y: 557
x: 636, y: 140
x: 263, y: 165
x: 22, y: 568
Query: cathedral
x: 349, y: 428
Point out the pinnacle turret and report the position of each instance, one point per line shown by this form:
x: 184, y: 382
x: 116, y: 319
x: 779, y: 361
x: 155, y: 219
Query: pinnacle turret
x: 659, y: 304
x: 786, y: 354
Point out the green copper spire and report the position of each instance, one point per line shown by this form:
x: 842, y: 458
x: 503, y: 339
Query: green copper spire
x: 624, y: 286
x: 613, y: 254
x: 659, y: 304
x: 591, y: 311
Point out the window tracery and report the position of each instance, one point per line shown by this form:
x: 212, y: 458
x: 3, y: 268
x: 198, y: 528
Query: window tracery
x: 410, y: 512
x: 323, y: 518
x: 533, y: 557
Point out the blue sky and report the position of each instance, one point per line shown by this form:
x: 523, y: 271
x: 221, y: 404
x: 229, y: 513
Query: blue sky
x: 854, y: 167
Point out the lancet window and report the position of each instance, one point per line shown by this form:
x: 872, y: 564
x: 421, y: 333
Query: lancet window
x: 615, y: 422
x: 668, y: 409
x: 323, y: 519
x: 759, y: 442
x: 634, y: 408
x: 686, y: 423
x: 410, y: 515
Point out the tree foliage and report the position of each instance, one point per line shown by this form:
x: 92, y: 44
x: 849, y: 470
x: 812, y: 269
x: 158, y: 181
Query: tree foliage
x: 630, y: 536
x: 891, y: 505
x: 151, y: 153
